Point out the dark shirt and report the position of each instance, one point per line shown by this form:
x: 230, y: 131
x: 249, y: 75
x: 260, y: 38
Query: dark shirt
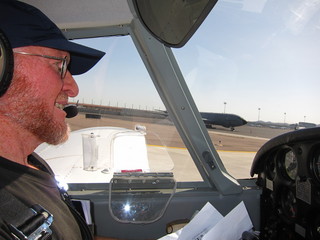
x: 33, y: 186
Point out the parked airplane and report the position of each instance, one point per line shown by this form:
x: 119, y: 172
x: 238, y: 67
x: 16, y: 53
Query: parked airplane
x: 211, y: 119
x: 226, y: 120
x: 282, y: 195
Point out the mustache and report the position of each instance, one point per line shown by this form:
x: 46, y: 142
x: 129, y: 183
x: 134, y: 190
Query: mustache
x: 70, y: 109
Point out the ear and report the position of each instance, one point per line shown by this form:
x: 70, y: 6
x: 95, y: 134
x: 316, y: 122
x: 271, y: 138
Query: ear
x: 6, y: 63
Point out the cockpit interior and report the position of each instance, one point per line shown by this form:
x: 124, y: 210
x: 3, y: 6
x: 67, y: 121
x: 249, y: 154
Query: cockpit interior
x: 140, y: 157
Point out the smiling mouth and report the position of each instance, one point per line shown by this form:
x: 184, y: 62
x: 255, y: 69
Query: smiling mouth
x: 60, y: 106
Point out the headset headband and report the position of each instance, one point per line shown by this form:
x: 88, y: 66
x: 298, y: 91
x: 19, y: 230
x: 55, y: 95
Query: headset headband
x: 6, y: 63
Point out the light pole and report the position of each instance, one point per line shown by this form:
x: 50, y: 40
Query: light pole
x: 259, y: 114
x: 285, y: 114
x: 225, y: 104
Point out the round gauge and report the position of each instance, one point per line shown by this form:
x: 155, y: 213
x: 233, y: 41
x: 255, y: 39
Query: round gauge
x: 289, y: 204
x: 290, y: 164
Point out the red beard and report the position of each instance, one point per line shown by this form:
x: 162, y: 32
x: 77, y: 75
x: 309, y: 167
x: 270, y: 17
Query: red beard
x: 32, y: 113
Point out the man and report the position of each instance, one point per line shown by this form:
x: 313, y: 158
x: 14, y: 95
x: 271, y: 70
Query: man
x: 31, y: 112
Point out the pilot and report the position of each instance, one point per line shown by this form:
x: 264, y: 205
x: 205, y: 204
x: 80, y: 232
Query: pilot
x: 34, y: 89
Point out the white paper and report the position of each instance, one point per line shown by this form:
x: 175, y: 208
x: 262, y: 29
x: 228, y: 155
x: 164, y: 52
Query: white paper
x: 205, y: 219
x: 209, y: 224
x: 231, y: 226
x: 86, y: 208
x: 201, y: 223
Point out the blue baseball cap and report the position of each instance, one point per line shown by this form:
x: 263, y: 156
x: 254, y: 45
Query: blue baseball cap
x: 25, y: 25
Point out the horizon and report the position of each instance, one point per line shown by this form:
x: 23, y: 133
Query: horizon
x: 159, y: 110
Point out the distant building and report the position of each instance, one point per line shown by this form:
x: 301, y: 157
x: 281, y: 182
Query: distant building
x: 306, y: 125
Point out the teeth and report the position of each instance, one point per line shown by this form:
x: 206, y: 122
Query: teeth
x: 60, y: 106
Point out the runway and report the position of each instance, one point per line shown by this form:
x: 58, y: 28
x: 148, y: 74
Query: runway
x: 167, y: 152
x: 237, y: 163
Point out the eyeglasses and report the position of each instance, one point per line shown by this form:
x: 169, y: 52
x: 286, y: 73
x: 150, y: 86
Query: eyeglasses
x: 62, y: 68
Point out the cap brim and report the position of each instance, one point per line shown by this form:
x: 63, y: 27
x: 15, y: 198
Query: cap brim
x: 82, y: 58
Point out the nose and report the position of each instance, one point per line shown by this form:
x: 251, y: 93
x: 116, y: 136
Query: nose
x: 70, y: 86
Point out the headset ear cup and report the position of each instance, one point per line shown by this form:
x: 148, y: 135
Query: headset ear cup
x: 6, y: 63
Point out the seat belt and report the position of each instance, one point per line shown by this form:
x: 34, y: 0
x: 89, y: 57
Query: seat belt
x: 24, y: 223
x: 33, y: 223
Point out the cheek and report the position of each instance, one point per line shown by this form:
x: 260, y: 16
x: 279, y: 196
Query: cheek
x: 41, y: 82
x: 46, y: 88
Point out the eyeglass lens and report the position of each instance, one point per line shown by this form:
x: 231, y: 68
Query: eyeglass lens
x: 64, y: 67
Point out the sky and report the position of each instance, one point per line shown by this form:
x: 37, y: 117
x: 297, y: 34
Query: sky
x: 255, y: 58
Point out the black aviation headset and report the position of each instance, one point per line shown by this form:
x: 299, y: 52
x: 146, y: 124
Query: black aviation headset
x: 6, y: 63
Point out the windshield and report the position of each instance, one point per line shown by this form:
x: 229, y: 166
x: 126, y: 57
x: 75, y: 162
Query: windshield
x: 251, y: 68
x: 258, y: 60
x: 122, y: 125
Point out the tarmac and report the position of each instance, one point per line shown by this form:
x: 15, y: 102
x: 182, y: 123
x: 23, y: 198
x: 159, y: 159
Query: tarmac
x: 236, y: 148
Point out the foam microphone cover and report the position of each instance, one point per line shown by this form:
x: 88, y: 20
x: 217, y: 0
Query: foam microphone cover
x: 71, y: 110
